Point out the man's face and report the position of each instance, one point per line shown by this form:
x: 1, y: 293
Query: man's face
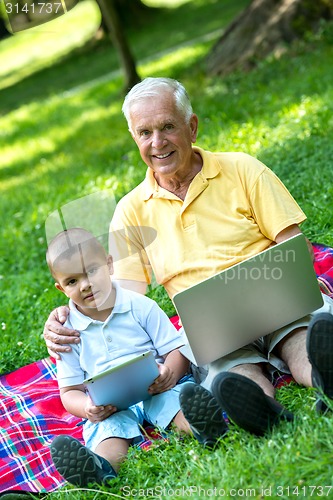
x: 85, y: 278
x: 162, y: 135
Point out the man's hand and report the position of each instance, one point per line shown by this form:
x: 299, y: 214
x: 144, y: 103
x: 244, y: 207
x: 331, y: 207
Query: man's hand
x: 55, y: 334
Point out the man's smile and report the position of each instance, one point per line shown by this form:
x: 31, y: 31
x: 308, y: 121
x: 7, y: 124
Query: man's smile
x: 161, y: 157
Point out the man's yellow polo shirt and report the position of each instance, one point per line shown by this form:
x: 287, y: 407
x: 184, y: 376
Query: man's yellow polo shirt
x: 234, y: 208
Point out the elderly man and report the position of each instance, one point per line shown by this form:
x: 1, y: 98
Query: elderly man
x: 210, y: 211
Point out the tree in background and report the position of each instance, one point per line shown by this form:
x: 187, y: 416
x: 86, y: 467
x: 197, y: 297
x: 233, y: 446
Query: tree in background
x: 131, y: 12
x: 116, y: 16
x: 265, y: 26
x: 4, y: 33
x: 112, y: 20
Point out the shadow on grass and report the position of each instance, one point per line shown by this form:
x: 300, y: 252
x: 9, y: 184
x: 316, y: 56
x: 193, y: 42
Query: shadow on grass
x: 163, y: 28
x: 94, y: 118
x: 81, y: 66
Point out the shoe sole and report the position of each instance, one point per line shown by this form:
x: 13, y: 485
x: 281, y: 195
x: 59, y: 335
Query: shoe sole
x: 247, y: 404
x: 319, y: 344
x: 75, y: 462
x: 203, y: 413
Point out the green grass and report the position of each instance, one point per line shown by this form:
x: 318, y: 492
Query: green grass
x: 63, y: 137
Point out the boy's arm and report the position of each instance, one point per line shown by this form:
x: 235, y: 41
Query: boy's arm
x: 175, y: 366
x: 78, y: 403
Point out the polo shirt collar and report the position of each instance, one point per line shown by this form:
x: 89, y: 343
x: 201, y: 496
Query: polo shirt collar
x: 81, y: 322
x: 210, y: 168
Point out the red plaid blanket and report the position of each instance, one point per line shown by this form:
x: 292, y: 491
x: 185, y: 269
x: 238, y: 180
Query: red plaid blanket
x: 323, y: 266
x: 32, y: 413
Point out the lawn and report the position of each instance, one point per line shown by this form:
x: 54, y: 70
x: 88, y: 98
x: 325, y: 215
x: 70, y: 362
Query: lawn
x: 63, y: 137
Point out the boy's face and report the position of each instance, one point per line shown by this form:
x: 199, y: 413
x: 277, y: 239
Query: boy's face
x: 85, y: 278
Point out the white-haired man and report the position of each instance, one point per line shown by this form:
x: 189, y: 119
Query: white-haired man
x: 210, y: 211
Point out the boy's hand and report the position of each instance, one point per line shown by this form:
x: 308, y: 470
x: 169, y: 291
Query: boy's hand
x: 55, y: 334
x: 98, y: 413
x: 165, y: 381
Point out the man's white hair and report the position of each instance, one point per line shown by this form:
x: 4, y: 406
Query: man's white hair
x: 152, y: 87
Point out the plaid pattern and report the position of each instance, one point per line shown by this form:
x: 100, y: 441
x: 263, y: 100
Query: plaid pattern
x: 323, y: 266
x: 32, y: 413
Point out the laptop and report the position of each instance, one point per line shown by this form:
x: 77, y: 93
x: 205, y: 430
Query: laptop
x: 124, y: 385
x: 248, y: 300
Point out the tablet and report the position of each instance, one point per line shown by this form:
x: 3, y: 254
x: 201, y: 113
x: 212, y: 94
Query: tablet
x: 124, y: 385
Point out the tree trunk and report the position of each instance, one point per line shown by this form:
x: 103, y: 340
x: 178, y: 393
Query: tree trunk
x: 132, y: 11
x: 265, y: 26
x: 4, y: 33
x: 112, y: 22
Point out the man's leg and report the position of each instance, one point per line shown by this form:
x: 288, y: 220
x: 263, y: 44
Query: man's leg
x: 203, y: 414
x: 292, y: 350
x: 255, y: 372
x: 247, y: 396
x: 309, y: 354
x: 319, y: 345
x: 244, y: 392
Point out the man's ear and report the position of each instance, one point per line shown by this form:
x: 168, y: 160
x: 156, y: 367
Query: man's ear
x: 194, y: 127
x: 109, y: 262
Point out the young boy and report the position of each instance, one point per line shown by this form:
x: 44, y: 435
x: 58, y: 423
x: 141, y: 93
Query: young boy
x: 115, y: 325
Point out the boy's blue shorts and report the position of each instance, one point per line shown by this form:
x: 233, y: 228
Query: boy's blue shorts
x: 159, y: 411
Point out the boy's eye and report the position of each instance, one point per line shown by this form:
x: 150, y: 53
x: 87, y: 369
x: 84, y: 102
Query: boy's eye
x: 71, y: 282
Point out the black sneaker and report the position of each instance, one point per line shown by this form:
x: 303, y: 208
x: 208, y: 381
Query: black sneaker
x: 203, y: 413
x: 77, y: 464
x: 319, y: 344
x: 247, y: 404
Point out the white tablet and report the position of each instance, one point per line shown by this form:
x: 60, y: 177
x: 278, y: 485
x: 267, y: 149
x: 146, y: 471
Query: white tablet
x: 124, y: 385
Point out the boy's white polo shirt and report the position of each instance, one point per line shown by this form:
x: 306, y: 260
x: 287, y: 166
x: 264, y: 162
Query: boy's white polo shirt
x: 136, y: 324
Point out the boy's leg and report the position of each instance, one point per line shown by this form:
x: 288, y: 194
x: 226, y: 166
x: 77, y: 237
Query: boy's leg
x: 110, y: 438
x: 79, y: 465
x: 114, y: 450
x: 171, y: 406
x: 181, y: 423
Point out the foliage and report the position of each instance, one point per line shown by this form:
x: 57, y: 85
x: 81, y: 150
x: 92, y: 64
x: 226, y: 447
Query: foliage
x: 61, y: 141
x: 309, y: 14
x: 284, y: 463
